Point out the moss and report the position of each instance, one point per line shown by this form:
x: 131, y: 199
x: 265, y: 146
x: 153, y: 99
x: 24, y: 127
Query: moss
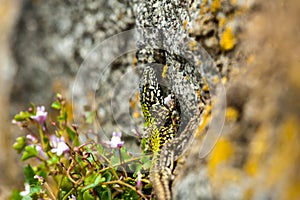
x: 227, y: 40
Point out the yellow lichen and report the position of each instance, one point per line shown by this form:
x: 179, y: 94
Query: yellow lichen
x: 203, y: 7
x: 215, y: 6
x: 164, y: 72
x: 222, y: 22
x: 257, y: 151
x: 136, y: 115
x: 192, y: 45
x: 204, y: 121
x: 231, y: 114
x: 134, y: 61
x: 224, y: 80
x: 185, y: 23
x: 227, y: 40
x: 205, y: 87
x: 220, y: 154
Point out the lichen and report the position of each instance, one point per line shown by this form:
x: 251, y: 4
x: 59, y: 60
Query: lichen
x: 227, y: 39
x: 231, y: 114
x: 221, y: 153
x: 215, y: 6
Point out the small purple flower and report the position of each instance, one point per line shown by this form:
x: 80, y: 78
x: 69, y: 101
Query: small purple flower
x: 139, y: 181
x: 59, y: 145
x: 115, y: 141
x: 31, y: 138
x: 39, y: 178
x: 26, y: 191
x: 42, y: 154
x: 40, y: 115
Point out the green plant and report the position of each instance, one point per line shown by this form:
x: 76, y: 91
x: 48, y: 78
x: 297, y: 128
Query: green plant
x: 60, y: 166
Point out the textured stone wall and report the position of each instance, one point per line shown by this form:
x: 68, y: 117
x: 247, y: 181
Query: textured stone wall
x: 257, y: 156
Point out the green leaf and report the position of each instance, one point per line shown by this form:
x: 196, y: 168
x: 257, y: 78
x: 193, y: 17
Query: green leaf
x: 107, y: 176
x: 97, y: 181
x: 72, y: 135
x: 16, y: 195
x: 144, y: 144
x: 124, y: 153
x: 20, y: 144
x: 22, y: 116
x: 63, y: 116
x: 56, y: 105
x: 35, y: 190
x: 106, y: 194
x: 30, y: 152
x: 53, y: 160
x: 66, y: 184
x: 87, y: 196
x: 29, y: 175
x: 130, y: 194
x: 115, y: 160
x: 135, y: 167
x: 147, y: 162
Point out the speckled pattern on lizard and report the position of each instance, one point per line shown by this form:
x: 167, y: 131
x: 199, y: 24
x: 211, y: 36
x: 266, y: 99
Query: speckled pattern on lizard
x: 175, y: 71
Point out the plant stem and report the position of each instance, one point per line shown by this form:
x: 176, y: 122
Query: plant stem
x: 127, y: 185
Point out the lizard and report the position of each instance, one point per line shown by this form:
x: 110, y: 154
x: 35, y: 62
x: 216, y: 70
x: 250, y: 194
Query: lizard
x: 174, y: 74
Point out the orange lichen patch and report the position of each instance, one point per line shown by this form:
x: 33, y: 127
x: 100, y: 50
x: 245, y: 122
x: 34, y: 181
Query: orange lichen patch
x: 231, y: 114
x: 222, y: 22
x: 134, y: 61
x: 221, y: 153
x: 185, y: 23
x: 227, y: 40
x: 203, y: 7
x: 136, y: 115
x: 257, y: 150
x: 137, y: 96
x: 165, y: 70
x: 215, y: 6
x: 199, y: 94
x: 132, y: 104
x: 205, y: 87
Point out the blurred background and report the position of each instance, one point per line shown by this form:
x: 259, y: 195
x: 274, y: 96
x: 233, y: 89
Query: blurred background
x: 43, y: 43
